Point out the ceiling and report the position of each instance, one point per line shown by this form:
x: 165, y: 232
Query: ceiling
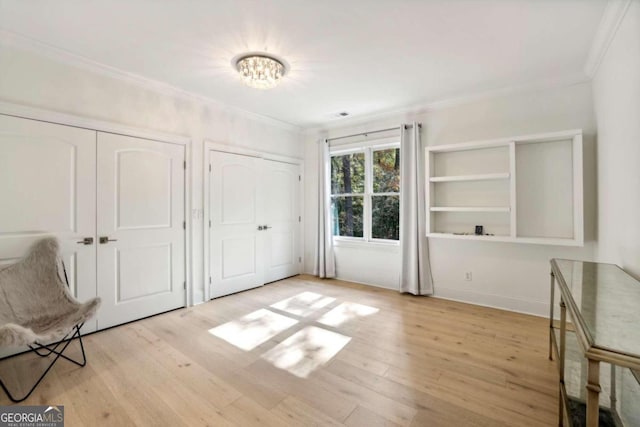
x: 361, y: 56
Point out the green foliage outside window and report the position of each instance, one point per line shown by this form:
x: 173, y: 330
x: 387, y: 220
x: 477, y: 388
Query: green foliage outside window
x: 386, y: 171
x: 347, y: 174
x: 385, y: 210
x: 347, y: 177
x: 348, y: 213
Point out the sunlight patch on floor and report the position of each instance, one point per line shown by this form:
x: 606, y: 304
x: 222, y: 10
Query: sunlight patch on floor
x: 253, y: 329
x: 306, y: 350
x: 345, y: 312
x: 303, y: 304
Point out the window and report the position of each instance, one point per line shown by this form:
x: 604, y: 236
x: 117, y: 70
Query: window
x: 385, y: 197
x: 365, y: 193
x: 347, y: 194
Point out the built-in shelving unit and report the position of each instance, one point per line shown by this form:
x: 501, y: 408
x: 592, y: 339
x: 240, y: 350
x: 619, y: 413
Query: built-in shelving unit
x: 525, y: 189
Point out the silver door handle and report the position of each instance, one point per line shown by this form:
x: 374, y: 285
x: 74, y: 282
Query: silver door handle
x: 106, y: 239
x: 86, y: 241
x: 266, y: 227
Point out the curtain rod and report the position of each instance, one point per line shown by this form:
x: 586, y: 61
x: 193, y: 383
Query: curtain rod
x: 373, y: 131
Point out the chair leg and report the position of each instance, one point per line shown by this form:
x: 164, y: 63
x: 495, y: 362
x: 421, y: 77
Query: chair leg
x: 58, y: 355
x: 52, y: 348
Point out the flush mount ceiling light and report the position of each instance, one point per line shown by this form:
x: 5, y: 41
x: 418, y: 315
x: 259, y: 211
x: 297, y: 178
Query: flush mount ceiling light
x: 260, y: 71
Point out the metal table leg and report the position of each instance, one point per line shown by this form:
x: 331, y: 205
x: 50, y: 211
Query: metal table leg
x: 613, y: 396
x: 551, y: 302
x: 563, y: 334
x: 593, y: 392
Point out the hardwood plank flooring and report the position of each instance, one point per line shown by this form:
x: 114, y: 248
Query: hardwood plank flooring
x: 347, y: 354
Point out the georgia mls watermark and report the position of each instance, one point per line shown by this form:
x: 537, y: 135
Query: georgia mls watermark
x: 32, y: 416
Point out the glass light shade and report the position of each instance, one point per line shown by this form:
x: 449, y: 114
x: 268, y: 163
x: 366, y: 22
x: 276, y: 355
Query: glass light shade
x: 260, y: 72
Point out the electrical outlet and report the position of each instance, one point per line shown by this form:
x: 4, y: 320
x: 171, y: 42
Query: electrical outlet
x: 468, y: 276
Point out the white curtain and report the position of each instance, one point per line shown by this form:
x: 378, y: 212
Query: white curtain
x: 415, y: 275
x: 325, y: 264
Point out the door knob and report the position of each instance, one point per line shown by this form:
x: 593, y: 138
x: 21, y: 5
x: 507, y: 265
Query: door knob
x: 266, y: 227
x: 106, y: 239
x: 260, y: 228
x: 86, y: 241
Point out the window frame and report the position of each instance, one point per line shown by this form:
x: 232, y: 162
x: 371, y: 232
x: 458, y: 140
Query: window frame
x: 367, y: 147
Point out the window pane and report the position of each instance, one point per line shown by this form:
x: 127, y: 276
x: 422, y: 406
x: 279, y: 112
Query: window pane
x: 386, y: 171
x: 347, y: 173
x: 385, y: 217
x: 347, y: 213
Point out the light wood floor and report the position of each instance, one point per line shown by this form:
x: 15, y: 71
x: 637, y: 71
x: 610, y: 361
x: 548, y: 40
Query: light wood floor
x: 399, y: 360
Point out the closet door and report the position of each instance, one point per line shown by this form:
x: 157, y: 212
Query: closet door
x: 236, y: 245
x: 282, y: 217
x: 47, y: 188
x: 141, y: 239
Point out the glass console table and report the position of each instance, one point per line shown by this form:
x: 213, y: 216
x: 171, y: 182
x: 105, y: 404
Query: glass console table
x: 603, y: 328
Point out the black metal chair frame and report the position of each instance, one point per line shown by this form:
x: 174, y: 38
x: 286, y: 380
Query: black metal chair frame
x: 46, y: 350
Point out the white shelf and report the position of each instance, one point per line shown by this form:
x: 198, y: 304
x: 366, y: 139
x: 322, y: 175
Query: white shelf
x: 558, y: 241
x: 481, y: 177
x: 509, y: 239
x: 471, y: 209
x: 471, y: 237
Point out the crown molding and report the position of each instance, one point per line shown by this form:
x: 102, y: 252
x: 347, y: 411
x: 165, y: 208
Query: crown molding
x: 21, y: 42
x: 612, y: 17
x: 445, y: 103
x: 43, y: 115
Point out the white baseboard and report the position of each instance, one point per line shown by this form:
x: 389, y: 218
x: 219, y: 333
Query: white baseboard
x: 376, y: 285
x: 536, y: 308
x: 348, y: 279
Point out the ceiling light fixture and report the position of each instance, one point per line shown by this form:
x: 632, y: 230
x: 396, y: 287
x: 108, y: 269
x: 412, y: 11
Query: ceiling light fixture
x: 260, y: 71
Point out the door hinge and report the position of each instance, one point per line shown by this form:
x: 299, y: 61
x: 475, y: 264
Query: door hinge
x: 184, y: 225
x: 184, y: 285
x: 299, y: 177
x: 184, y: 164
x: 209, y: 279
x: 209, y: 167
x: 299, y: 259
x: 299, y: 219
x: 209, y: 223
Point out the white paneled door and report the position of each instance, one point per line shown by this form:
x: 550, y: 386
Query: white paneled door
x: 281, y: 217
x: 254, y: 222
x: 236, y: 245
x: 140, y: 228
x: 47, y: 188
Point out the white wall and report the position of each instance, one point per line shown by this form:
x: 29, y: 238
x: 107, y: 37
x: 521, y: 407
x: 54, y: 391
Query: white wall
x: 31, y: 79
x: 616, y: 93
x: 507, y: 275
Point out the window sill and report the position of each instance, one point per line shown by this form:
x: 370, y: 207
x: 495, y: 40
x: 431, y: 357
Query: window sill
x: 388, y: 246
